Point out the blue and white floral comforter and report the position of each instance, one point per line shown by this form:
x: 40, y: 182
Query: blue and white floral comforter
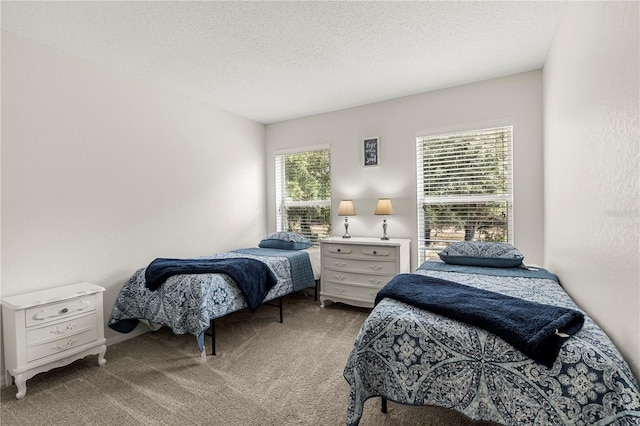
x: 187, y: 303
x: 412, y: 356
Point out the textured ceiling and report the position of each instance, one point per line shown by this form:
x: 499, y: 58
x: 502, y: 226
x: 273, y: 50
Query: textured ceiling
x: 272, y: 61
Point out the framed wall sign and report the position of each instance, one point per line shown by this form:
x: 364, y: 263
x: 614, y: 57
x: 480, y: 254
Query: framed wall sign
x: 371, y: 151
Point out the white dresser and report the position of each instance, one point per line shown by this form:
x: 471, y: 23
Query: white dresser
x: 51, y: 328
x: 354, y: 269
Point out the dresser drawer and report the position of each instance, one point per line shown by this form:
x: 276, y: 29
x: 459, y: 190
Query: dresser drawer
x: 352, y: 291
x: 362, y: 266
x: 56, y: 311
x: 340, y: 277
x: 359, y: 251
x: 37, y: 335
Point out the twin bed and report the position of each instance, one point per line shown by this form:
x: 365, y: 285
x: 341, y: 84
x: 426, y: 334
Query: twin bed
x: 413, y: 356
x: 189, y: 303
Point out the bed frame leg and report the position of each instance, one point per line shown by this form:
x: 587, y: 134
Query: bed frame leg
x: 383, y: 407
x: 212, y: 327
x: 315, y: 295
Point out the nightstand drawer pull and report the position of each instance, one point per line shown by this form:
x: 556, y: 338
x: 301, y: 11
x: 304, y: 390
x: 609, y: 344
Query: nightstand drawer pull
x: 339, y: 277
x: 61, y: 330
x: 340, y: 264
x: 66, y: 345
x: 375, y: 267
x: 340, y: 289
x: 49, y: 313
x: 377, y: 282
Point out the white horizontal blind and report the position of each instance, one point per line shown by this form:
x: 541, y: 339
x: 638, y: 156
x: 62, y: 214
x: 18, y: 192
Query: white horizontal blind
x: 303, y: 193
x: 464, y: 188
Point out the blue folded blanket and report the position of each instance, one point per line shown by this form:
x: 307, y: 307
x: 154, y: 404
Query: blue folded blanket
x: 301, y: 270
x: 254, y: 278
x: 536, y: 329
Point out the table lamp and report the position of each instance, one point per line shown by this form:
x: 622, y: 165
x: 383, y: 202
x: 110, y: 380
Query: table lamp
x: 384, y: 208
x: 346, y: 208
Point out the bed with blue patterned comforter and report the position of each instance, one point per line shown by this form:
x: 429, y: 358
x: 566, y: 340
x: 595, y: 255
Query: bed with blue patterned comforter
x: 411, y: 356
x: 187, y: 303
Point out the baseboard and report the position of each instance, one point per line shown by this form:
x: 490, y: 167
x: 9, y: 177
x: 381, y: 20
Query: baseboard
x: 121, y: 337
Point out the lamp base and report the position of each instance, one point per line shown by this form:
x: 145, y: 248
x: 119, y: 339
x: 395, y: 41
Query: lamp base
x: 384, y: 230
x: 346, y: 229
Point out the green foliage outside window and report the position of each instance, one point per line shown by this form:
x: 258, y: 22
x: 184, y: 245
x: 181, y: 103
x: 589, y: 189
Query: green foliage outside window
x: 306, y: 202
x: 308, y: 176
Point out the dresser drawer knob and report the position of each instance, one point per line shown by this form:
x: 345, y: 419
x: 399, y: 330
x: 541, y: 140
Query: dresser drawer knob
x: 375, y: 267
x: 340, y: 289
x: 378, y: 253
x: 64, y: 311
x: 372, y: 281
x: 339, y: 277
x: 340, y: 264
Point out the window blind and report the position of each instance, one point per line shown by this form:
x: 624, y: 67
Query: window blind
x: 303, y: 193
x: 464, y: 187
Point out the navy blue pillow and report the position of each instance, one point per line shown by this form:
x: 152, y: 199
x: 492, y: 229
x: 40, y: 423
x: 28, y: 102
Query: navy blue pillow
x: 285, y: 241
x: 474, y: 253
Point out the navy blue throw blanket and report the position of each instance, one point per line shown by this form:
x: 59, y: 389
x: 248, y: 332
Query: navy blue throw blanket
x: 536, y: 329
x: 254, y: 278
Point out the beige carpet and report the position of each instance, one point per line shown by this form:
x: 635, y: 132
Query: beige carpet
x: 265, y: 373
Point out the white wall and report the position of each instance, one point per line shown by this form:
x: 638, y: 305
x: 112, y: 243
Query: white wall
x: 102, y: 173
x: 516, y: 99
x: 592, y: 165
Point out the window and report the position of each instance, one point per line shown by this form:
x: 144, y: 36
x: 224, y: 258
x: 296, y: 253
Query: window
x: 464, y: 188
x: 303, y: 193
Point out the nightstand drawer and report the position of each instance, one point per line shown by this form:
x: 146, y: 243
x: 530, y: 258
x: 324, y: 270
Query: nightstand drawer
x: 360, y: 251
x: 339, y: 277
x: 57, y: 346
x: 61, y: 329
x: 362, y: 266
x: 56, y: 311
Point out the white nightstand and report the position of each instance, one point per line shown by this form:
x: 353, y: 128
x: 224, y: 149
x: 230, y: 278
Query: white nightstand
x: 51, y: 328
x: 354, y: 269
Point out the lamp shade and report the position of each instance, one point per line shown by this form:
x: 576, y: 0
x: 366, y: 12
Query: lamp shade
x: 384, y: 207
x: 346, y: 208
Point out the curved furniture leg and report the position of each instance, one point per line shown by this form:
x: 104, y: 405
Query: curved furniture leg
x: 21, y: 383
x: 103, y: 351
